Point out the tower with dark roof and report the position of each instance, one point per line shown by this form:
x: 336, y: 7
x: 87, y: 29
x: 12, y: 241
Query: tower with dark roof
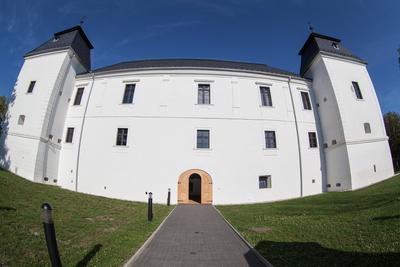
x: 355, y: 142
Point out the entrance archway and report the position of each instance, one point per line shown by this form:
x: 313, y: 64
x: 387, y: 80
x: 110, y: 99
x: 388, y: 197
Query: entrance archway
x: 195, y: 186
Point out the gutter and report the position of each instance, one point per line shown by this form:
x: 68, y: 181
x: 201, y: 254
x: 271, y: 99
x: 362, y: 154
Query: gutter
x: 81, y: 133
x: 298, y: 137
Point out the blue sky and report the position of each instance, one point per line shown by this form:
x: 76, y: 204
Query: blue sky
x: 260, y: 31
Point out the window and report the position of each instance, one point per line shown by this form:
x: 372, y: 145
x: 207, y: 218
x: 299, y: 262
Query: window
x: 266, y: 99
x: 367, y: 127
x: 312, y: 138
x: 270, y: 140
x: 203, y: 139
x: 70, y: 135
x: 129, y: 93
x: 78, y: 96
x: 335, y: 45
x: 264, y: 181
x: 21, y: 120
x: 203, y: 94
x: 306, y: 100
x: 357, y: 90
x: 122, y: 136
x: 31, y: 86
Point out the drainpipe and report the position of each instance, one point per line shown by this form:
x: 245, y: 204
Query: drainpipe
x: 81, y: 133
x: 298, y: 137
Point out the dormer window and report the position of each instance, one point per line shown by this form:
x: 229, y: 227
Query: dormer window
x: 335, y: 45
x: 56, y: 38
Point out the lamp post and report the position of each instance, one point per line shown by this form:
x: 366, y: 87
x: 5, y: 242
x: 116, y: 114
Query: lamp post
x: 50, y: 234
x: 169, y: 197
x: 150, y: 207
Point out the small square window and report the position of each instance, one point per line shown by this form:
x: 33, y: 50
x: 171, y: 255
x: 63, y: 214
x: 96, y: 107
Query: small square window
x: 367, y: 127
x: 338, y: 184
x: 122, y: 137
x: 270, y: 139
x: 21, y: 120
x: 203, y: 94
x: 312, y: 138
x: 334, y: 142
x: 70, y: 135
x: 31, y: 86
x: 335, y: 45
x: 203, y: 139
x: 128, y: 94
x: 264, y: 181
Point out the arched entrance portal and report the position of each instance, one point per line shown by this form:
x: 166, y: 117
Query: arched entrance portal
x: 195, y: 186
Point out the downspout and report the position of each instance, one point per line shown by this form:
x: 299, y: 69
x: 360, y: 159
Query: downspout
x: 298, y: 137
x: 80, y: 135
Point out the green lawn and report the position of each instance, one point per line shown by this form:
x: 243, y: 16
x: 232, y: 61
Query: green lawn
x: 93, y: 231
x: 359, y: 228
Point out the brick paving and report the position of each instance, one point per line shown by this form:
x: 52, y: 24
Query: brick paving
x: 196, y: 235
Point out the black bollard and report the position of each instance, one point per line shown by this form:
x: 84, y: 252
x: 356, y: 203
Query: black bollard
x: 169, y: 197
x: 50, y: 234
x: 150, y: 207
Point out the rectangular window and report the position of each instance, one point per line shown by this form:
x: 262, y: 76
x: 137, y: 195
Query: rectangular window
x: 203, y: 139
x: 357, y: 90
x: 129, y: 93
x: 266, y: 99
x: 70, y: 135
x: 312, y: 138
x: 21, y: 120
x: 264, y: 181
x: 270, y: 140
x: 122, y: 137
x: 306, y: 100
x: 203, y: 94
x: 367, y: 127
x: 78, y: 96
x: 31, y: 86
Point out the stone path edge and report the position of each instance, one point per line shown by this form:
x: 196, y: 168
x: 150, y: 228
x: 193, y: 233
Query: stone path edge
x: 139, y: 251
x: 258, y: 255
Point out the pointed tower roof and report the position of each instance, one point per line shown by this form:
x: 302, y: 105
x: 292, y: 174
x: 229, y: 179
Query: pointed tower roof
x: 74, y: 38
x: 318, y: 43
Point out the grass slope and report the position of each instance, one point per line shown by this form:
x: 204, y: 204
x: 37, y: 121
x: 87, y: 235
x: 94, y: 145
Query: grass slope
x: 359, y: 228
x: 91, y: 230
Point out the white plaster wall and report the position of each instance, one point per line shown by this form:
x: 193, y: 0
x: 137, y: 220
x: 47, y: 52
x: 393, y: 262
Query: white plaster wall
x: 162, y: 126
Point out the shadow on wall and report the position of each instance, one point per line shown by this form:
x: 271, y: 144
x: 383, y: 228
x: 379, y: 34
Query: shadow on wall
x: 5, y: 162
x: 313, y: 254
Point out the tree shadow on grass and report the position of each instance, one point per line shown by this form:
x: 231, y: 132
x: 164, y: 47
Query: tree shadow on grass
x: 384, y: 218
x: 313, y: 254
x: 7, y: 208
x: 85, y: 261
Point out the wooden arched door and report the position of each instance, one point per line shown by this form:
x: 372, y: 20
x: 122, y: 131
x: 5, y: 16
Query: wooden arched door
x: 183, y: 187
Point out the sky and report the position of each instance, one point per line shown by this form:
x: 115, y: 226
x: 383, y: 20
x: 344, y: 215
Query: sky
x: 259, y: 31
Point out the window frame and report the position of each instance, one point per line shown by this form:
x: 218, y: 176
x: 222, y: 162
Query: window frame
x: 200, y: 89
x: 126, y: 95
x: 122, y: 144
x: 357, y: 90
x: 78, y: 90
x: 367, y: 128
x: 197, y: 138
x: 31, y: 86
x: 265, y: 181
x: 21, y: 119
x: 69, y: 137
x: 306, y: 105
x: 265, y: 139
x: 309, y: 139
x: 264, y: 102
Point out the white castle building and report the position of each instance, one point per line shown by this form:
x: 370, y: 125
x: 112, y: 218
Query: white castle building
x: 212, y: 131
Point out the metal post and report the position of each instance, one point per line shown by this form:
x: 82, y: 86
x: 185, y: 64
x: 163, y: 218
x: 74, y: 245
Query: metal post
x: 169, y: 197
x: 50, y: 234
x: 150, y: 207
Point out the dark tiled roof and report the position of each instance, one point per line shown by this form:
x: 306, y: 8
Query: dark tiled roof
x: 194, y: 63
x: 70, y: 38
x: 322, y: 43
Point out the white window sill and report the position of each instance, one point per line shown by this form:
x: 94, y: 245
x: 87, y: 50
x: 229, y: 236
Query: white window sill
x: 261, y: 106
x: 307, y: 110
x: 202, y: 149
x: 361, y: 100
x: 127, y: 104
x: 204, y: 105
x: 270, y: 149
x: 121, y: 147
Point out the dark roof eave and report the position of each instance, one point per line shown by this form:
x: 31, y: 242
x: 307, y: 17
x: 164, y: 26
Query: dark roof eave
x: 33, y: 53
x: 317, y: 35
x: 293, y: 75
x: 76, y: 28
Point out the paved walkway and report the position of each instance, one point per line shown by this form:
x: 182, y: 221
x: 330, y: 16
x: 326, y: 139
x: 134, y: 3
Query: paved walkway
x: 196, y: 235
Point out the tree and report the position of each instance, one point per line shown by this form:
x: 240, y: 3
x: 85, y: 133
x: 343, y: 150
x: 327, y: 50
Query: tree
x: 3, y: 108
x: 392, y: 125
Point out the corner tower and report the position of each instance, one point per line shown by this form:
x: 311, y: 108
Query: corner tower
x: 355, y: 143
x: 33, y: 130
